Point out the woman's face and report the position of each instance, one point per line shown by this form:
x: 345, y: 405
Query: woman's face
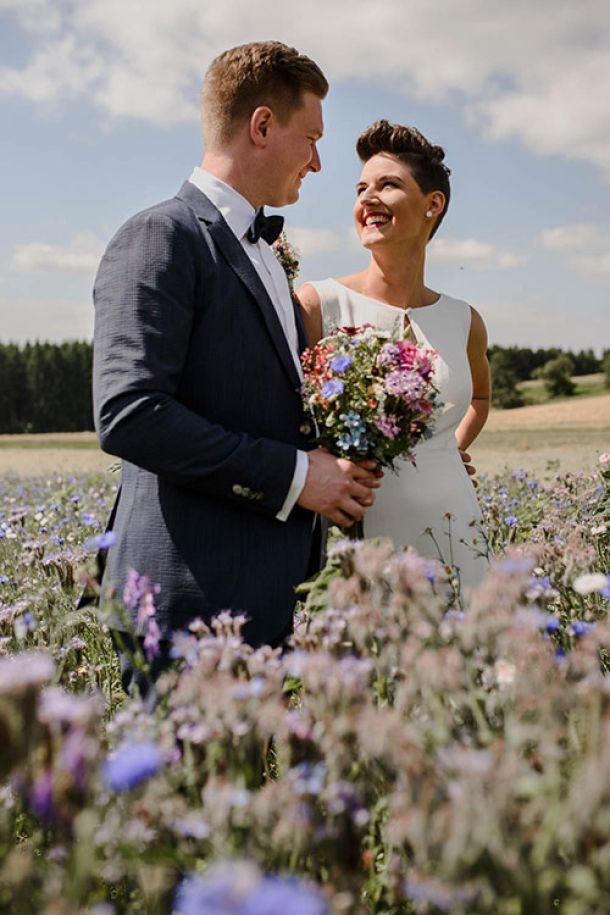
x: 390, y: 206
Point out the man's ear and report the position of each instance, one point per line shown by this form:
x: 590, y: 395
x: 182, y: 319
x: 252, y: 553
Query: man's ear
x: 260, y: 122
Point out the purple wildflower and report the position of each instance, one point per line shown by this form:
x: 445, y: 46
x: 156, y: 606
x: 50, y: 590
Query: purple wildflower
x: 340, y: 363
x: 152, y: 639
x: 101, y: 541
x: 41, y: 797
x: 131, y: 764
x: 580, y: 628
x: 511, y: 520
x: 332, y: 388
x: 278, y: 895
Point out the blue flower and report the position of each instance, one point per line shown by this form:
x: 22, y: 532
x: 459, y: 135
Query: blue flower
x: 332, y: 388
x: 3, y: 579
x: 511, y: 520
x: 580, y: 628
x: 552, y: 624
x: 131, y: 764
x: 101, y: 541
x: 340, y: 363
x: 279, y: 895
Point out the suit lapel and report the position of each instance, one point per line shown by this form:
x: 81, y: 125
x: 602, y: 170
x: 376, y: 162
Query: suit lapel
x: 240, y: 263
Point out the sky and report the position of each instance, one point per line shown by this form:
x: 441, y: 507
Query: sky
x: 99, y: 107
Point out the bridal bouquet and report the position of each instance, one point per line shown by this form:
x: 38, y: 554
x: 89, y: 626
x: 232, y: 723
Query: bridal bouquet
x: 370, y: 395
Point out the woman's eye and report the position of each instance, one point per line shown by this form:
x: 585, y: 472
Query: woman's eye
x: 390, y: 183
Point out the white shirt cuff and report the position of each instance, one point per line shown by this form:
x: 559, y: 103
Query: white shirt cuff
x: 296, y: 487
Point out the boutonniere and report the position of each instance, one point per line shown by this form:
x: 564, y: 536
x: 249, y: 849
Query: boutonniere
x: 288, y: 258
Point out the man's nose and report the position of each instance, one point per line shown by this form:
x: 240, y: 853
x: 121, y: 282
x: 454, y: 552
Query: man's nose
x: 315, y: 164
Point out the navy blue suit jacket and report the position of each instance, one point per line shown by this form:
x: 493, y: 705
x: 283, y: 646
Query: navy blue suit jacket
x: 196, y: 390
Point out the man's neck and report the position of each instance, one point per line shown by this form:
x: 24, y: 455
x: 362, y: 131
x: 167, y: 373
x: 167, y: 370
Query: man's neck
x: 229, y: 169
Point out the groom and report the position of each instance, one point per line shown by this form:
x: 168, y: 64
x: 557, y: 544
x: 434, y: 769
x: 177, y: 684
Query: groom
x: 196, y: 366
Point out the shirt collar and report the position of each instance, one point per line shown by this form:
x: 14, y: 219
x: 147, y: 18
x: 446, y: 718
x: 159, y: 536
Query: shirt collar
x: 238, y: 213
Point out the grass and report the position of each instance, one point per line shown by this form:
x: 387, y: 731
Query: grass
x: 535, y: 392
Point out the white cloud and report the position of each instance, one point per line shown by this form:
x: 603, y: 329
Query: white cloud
x: 572, y: 236
x: 82, y: 255
x: 573, y: 239
x: 535, y: 72
x: 479, y: 255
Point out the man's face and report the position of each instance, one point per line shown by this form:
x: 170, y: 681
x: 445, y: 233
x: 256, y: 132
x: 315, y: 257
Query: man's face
x: 293, y: 151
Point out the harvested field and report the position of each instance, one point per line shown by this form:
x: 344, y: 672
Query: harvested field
x: 567, y: 435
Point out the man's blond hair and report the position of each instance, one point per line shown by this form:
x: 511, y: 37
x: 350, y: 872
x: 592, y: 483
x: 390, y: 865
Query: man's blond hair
x: 260, y: 73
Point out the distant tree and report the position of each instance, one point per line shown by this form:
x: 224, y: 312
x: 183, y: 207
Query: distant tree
x: 556, y: 375
x: 606, y: 367
x: 585, y: 362
x: 504, y: 381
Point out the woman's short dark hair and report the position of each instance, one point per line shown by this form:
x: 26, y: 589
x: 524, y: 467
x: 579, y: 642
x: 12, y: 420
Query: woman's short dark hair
x: 410, y: 146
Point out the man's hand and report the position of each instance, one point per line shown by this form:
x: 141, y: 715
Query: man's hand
x: 339, y: 489
x: 470, y: 469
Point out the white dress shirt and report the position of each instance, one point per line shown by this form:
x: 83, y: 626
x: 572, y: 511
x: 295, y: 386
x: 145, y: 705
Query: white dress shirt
x: 239, y: 213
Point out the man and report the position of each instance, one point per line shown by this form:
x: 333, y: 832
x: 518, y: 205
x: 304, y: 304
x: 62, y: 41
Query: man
x: 196, y: 368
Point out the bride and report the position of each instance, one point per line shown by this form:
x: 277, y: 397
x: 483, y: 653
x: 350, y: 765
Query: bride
x: 401, y: 199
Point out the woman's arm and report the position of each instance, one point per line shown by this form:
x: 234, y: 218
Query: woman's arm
x: 476, y: 415
x: 311, y: 312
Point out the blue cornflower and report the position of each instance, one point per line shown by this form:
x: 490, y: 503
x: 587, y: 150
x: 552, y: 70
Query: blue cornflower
x: 560, y: 653
x: 131, y: 764
x: 552, y: 624
x: 4, y: 579
x: 353, y: 420
x: 511, y: 520
x: 278, y: 895
x: 340, y: 363
x: 580, y: 628
x: 332, y: 388
x: 101, y: 541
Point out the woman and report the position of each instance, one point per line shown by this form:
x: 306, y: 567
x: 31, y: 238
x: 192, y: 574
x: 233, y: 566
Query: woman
x: 401, y: 199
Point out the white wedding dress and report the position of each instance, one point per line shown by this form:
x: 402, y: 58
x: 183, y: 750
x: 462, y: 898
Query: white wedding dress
x: 413, y: 505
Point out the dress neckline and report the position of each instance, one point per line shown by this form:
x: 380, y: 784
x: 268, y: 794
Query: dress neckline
x: 394, y: 308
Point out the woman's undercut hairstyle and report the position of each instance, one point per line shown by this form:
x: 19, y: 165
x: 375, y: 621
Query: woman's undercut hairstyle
x: 411, y: 147
x: 260, y: 73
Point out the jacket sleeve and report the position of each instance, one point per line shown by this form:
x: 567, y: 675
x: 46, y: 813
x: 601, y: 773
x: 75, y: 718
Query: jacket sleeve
x: 144, y: 310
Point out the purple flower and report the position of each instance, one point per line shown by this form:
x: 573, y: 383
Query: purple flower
x: 237, y: 888
x: 131, y: 764
x: 340, y: 363
x: 152, y: 639
x: 279, y: 895
x: 580, y: 628
x: 101, y: 541
x: 332, y: 388
x: 552, y: 624
x: 41, y: 797
x: 511, y: 521
x: 3, y: 579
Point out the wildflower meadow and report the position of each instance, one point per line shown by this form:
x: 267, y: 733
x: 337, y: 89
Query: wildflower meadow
x: 415, y: 750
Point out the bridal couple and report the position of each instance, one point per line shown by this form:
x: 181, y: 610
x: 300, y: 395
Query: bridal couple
x: 196, y: 360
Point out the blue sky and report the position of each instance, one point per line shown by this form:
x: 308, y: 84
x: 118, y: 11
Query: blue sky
x: 99, y: 99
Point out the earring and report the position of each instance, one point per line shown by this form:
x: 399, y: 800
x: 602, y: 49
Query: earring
x: 429, y: 214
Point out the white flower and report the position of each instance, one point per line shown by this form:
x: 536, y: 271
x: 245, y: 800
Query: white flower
x: 588, y: 584
x: 599, y: 529
x: 505, y: 672
x: 604, y: 459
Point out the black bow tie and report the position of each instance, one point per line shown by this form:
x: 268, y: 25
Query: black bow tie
x: 267, y: 227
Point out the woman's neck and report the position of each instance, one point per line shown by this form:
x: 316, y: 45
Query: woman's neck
x: 397, y: 282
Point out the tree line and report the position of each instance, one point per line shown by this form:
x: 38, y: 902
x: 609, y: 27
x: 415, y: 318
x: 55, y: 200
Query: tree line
x: 46, y: 387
